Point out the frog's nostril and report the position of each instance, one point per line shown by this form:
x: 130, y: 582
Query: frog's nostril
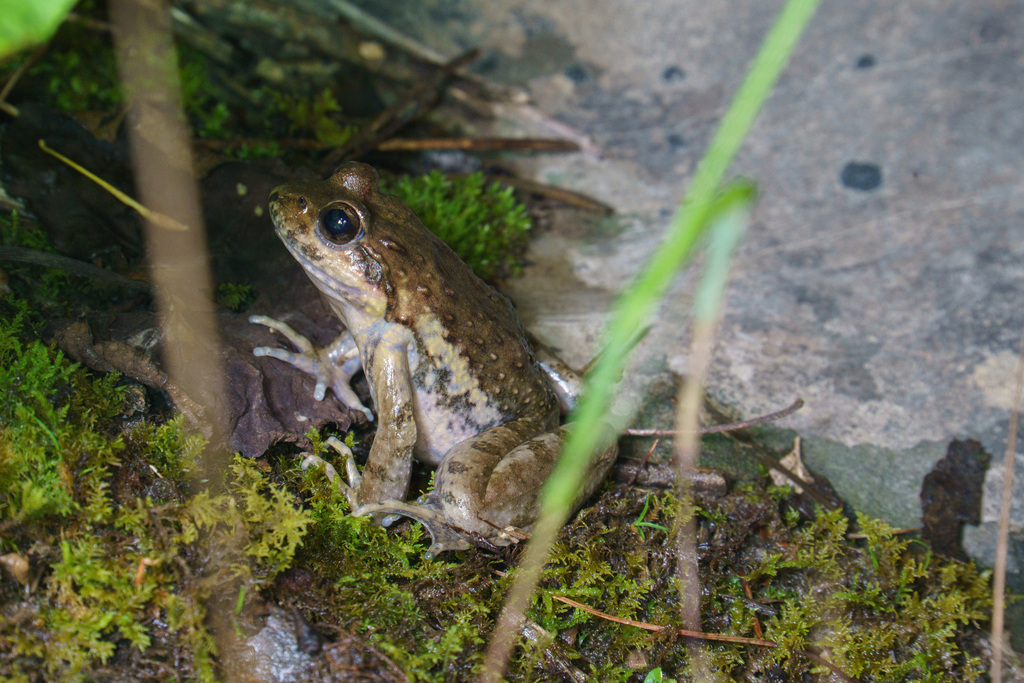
x: 303, y: 204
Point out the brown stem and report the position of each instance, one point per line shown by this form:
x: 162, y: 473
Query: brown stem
x: 556, y: 193
x: 479, y: 144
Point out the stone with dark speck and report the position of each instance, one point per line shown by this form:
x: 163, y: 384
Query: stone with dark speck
x: 676, y: 140
x: 673, y: 74
x: 865, y: 61
x: 858, y: 176
x: 577, y: 73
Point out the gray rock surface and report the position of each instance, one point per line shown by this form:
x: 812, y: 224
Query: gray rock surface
x: 882, y: 278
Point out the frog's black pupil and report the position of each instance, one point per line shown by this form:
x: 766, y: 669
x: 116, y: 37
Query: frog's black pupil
x: 339, y: 226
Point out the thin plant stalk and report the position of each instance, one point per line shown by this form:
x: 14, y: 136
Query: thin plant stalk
x: 724, y: 235
x: 633, y: 311
x: 1003, y: 535
x: 160, y: 146
x: 161, y: 161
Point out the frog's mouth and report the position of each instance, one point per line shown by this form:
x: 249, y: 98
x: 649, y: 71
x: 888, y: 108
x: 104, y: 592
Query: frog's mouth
x: 339, y: 287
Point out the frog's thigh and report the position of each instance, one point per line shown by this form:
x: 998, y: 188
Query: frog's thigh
x: 496, y: 477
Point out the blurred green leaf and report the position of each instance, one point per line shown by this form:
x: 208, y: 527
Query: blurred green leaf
x: 28, y: 22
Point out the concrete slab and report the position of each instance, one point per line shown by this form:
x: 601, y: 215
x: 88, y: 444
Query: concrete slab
x: 882, y: 278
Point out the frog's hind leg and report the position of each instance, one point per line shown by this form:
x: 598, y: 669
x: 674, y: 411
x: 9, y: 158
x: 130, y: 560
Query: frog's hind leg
x: 493, y: 481
x: 442, y: 536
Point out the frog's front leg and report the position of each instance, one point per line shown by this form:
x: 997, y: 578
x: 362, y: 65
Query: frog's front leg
x: 333, y: 365
x: 388, y: 468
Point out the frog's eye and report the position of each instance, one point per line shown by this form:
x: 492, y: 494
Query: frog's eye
x: 340, y: 225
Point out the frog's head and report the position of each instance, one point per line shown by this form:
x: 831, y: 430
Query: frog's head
x: 347, y: 235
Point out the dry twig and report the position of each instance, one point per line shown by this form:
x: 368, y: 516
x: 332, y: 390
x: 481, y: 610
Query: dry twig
x: 730, y: 427
x: 415, y: 101
x: 479, y: 144
x: 701, y: 635
x: 155, y: 217
x: 557, y: 193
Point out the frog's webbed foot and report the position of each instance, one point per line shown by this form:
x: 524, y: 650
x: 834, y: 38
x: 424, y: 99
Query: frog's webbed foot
x: 333, y: 366
x: 442, y: 536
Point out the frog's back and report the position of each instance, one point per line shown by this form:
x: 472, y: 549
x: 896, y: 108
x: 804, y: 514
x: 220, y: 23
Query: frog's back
x: 474, y: 357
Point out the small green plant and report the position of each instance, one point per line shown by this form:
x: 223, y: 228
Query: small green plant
x: 315, y: 116
x: 654, y: 676
x: 15, y: 232
x: 48, y: 284
x: 202, y: 100
x: 639, y: 522
x: 484, y: 224
x: 235, y: 297
x: 78, y: 71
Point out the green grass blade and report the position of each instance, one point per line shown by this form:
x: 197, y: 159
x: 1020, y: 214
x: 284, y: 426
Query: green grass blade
x: 634, y: 309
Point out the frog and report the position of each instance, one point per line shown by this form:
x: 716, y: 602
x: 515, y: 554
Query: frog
x: 451, y: 371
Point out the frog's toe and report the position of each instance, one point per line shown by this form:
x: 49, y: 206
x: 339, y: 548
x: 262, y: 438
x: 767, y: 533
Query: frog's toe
x: 442, y: 536
x: 350, y: 490
x: 332, y: 366
x: 299, y: 341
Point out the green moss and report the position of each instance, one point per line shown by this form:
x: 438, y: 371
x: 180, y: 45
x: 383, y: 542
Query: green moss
x: 484, y: 224
x: 15, y: 232
x: 260, y: 149
x: 78, y: 71
x: 234, y: 296
x: 884, y: 608
x: 119, y: 533
x: 813, y: 589
x: 48, y: 284
x: 428, y: 616
x: 119, y: 572
x: 82, y: 78
x: 49, y: 447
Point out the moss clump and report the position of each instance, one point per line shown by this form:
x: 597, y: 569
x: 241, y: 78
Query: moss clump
x: 484, y: 224
x: 235, y: 297
x: 125, y: 555
x: 53, y: 459
x: 883, y: 607
x: 118, y: 554
x: 48, y: 285
x: 80, y: 78
x: 880, y: 608
x: 812, y: 590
